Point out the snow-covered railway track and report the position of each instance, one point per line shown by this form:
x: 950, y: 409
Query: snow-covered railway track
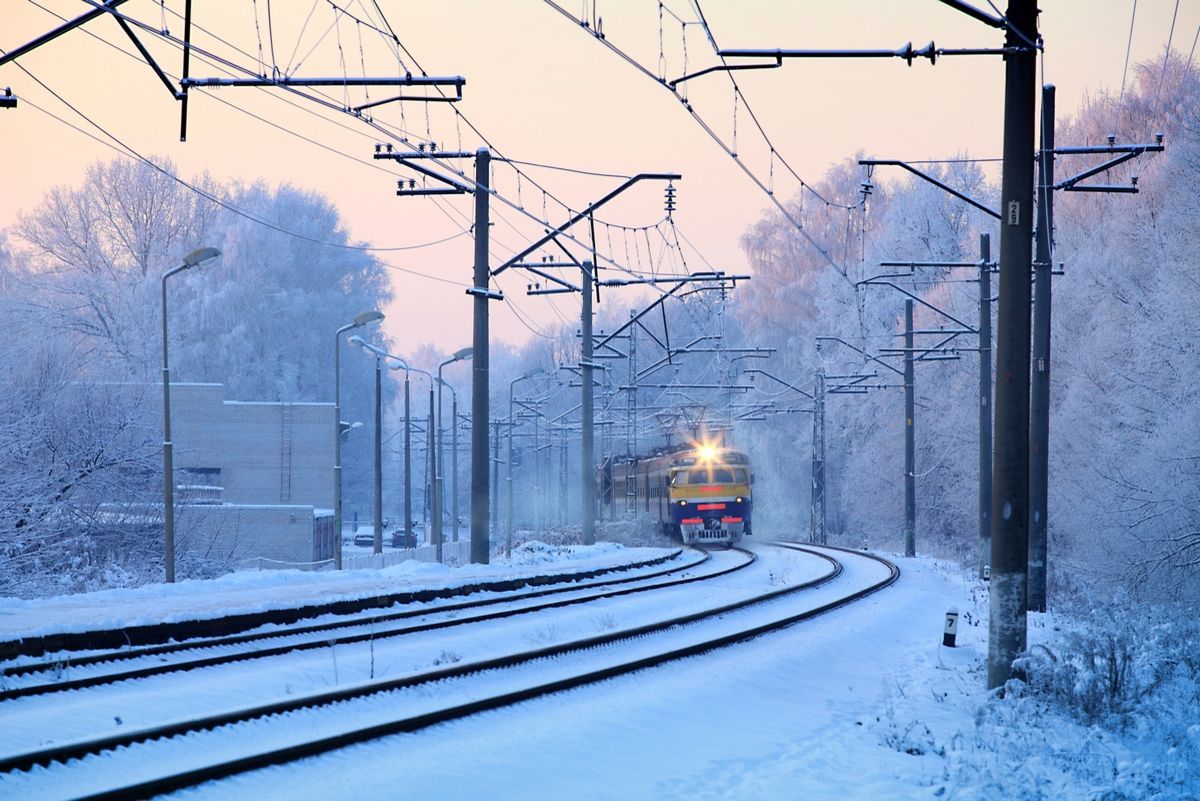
x: 47, y: 677
x: 271, y: 734
x: 114, y: 639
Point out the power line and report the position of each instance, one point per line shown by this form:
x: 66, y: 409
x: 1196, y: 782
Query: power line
x: 767, y: 189
x: 1125, y: 70
x: 121, y: 148
x: 220, y: 62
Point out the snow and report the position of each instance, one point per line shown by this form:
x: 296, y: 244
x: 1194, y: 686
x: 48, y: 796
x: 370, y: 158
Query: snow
x: 863, y: 702
x: 255, y: 591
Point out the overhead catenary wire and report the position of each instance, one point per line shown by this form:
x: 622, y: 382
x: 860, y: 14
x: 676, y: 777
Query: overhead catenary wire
x: 797, y: 225
x: 123, y: 149
x: 221, y: 63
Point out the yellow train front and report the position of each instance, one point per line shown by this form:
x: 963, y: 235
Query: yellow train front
x: 710, y: 497
x: 701, y: 495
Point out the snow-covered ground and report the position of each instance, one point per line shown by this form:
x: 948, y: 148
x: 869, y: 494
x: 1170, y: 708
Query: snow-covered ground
x: 256, y: 591
x: 862, y: 703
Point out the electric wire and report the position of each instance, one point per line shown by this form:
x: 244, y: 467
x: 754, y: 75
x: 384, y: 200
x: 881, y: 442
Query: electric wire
x: 1166, y: 58
x: 225, y: 204
x: 796, y: 223
x: 1125, y: 70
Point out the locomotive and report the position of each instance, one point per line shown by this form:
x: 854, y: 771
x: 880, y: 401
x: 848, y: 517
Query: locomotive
x: 701, y: 494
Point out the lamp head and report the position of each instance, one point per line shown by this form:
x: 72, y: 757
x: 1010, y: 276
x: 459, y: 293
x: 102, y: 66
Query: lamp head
x: 201, y: 257
x: 357, y: 340
x: 465, y: 353
x: 367, y: 317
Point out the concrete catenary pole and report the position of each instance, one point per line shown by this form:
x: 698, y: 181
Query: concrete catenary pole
x: 408, y: 522
x: 430, y: 470
x: 454, y: 463
x: 1039, y: 390
x: 377, y: 509
x: 439, y: 477
x: 985, y: 404
x: 1010, y: 472
x: 817, y: 534
x: 910, y: 439
x: 480, y: 387
x: 495, y: 476
x: 587, y: 450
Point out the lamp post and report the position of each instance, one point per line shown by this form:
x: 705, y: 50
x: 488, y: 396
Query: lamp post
x: 453, y: 459
x: 365, y: 318
x: 509, y: 478
x: 197, y: 258
x: 380, y: 353
x: 465, y: 353
x: 377, y: 507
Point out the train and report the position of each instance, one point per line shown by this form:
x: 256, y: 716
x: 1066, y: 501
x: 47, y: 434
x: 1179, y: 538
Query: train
x: 700, y: 494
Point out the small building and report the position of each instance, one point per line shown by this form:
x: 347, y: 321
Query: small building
x: 254, y: 479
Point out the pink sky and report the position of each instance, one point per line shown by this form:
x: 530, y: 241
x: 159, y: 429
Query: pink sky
x: 542, y: 90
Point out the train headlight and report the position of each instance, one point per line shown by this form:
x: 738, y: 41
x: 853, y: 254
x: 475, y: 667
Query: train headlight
x: 683, y: 503
x: 739, y: 500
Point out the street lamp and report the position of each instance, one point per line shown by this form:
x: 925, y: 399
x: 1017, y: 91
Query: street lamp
x: 377, y: 508
x: 365, y: 318
x: 380, y: 353
x: 465, y: 353
x: 509, y: 478
x: 453, y: 456
x: 197, y: 258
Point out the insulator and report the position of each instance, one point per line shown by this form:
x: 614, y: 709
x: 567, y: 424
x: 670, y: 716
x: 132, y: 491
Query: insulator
x: 378, y: 148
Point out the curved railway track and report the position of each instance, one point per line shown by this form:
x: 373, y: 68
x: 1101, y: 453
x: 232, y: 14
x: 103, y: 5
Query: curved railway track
x: 231, y: 624
x: 222, y: 768
x: 260, y: 647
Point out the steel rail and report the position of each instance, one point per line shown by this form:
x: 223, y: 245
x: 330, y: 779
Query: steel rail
x: 233, y: 624
x: 83, y: 748
x: 373, y: 635
x: 322, y: 745
x: 59, y: 664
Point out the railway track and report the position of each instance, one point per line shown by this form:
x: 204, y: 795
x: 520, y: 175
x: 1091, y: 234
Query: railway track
x: 546, y: 670
x: 377, y: 627
x: 110, y: 640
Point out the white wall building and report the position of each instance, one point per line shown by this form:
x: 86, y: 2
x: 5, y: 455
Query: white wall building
x: 255, y: 480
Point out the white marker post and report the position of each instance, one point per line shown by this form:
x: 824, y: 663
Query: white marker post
x: 951, y: 632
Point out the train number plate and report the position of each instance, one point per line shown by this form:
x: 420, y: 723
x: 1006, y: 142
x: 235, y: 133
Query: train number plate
x: 712, y: 524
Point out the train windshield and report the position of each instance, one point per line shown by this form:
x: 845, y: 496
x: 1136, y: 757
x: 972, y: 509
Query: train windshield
x: 711, y: 475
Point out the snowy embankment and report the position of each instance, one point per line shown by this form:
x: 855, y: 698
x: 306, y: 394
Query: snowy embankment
x: 258, y: 591
x: 862, y: 703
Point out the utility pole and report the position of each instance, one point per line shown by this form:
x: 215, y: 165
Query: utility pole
x: 480, y: 543
x: 454, y: 464
x: 910, y: 440
x: 408, y: 525
x: 377, y: 544
x: 495, y: 477
x: 632, y: 414
x: 1010, y: 475
x: 985, y: 404
x: 588, y: 433
x: 818, y: 535
x: 431, y: 474
x: 1039, y: 390
x: 562, y: 470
